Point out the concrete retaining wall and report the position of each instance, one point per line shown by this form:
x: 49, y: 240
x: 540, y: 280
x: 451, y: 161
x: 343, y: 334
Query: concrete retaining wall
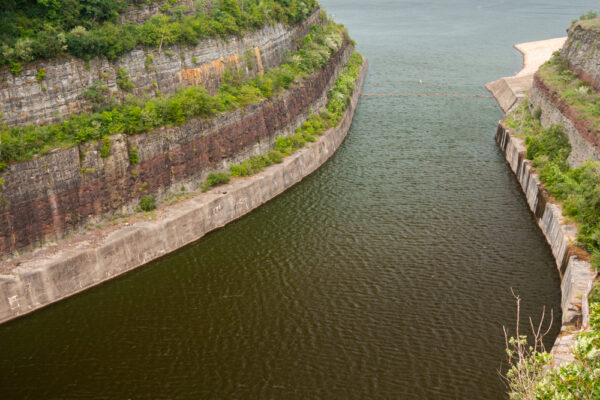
x: 576, y: 273
x: 42, y: 281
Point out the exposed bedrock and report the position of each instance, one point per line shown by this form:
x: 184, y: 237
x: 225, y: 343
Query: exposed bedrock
x: 582, y: 51
x: 24, y: 100
x: 51, y: 195
x: 585, y: 144
x: 45, y: 280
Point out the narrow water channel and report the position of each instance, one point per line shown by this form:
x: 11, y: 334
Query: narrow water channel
x: 384, y: 275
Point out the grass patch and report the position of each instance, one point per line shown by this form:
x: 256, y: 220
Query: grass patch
x: 214, y: 179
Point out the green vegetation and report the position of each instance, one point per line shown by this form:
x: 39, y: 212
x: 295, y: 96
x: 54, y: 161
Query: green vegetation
x: 591, y: 14
x: 339, y: 99
x: 15, y: 68
x: 576, y: 92
x: 147, y: 203
x: 578, y: 189
x: 123, y: 81
x: 98, y: 96
x: 257, y: 163
x: 139, y: 115
x: 106, y: 146
x: 41, y: 74
x: 43, y: 29
x: 134, y: 157
x: 213, y: 179
x: 531, y: 375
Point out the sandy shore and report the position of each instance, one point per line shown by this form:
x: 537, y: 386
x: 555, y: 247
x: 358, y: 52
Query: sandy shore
x: 508, y: 91
x: 537, y: 53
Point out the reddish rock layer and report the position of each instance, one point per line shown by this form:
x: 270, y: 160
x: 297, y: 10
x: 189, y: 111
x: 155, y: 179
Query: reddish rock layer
x: 45, y: 198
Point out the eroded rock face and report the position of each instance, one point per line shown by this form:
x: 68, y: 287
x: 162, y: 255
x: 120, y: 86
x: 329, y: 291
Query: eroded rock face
x: 24, y: 100
x: 39, y: 281
x: 585, y: 144
x: 582, y: 51
x: 49, y: 196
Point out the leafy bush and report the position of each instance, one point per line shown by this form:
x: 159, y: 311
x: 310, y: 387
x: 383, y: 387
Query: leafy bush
x: 214, y: 179
x: 106, y: 146
x: 147, y: 203
x: 98, y: 96
x: 41, y: 74
x: 553, y: 143
x: 15, y: 68
x: 134, y: 157
x: 275, y: 156
x: 123, y: 81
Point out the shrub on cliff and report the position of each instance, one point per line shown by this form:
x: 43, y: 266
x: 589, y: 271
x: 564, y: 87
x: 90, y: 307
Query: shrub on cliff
x: 214, y: 179
x: 553, y: 143
x: 147, y: 203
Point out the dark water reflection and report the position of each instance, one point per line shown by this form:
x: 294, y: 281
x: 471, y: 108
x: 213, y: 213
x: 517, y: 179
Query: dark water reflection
x: 384, y: 275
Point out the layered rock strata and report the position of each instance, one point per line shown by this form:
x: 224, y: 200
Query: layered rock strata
x: 49, y: 196
x: 24, y: 100
x: 40, y: 281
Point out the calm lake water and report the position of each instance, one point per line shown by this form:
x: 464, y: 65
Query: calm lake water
x: 384, y: 275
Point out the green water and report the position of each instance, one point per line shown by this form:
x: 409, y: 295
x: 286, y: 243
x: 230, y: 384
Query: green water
x: 384, y: 275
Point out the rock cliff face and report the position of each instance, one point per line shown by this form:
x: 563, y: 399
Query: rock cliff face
x: 555, y: 111
x: 24, y: 100
x: 40, y: 281
x: 582, y: 51
x: 51, y: 195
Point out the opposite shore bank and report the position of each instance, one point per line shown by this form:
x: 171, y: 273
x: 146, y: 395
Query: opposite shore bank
x: 575, y: 271
x: 41, y: 281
